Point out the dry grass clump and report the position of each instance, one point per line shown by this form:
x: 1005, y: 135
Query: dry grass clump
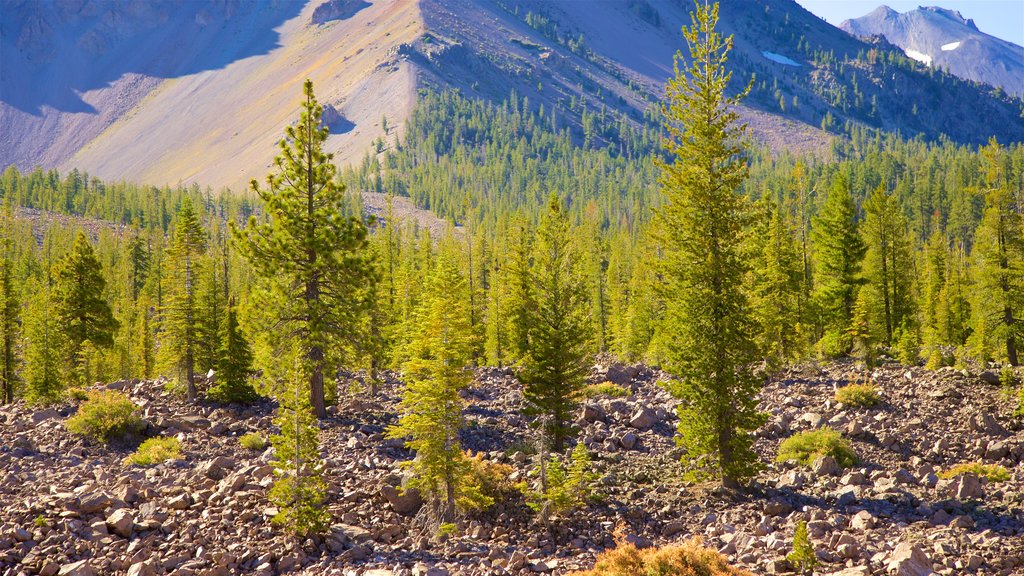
x: 686, y: 559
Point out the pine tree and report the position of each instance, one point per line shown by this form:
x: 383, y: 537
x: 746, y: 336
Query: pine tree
x: 234, y: 365
x: 81, y: 310
x: 181, y: 313
x: 437, y: 368
x: 838, y: 250
x: 555, y: 367
x: 139, y: 256
x: 211, y: 303
x: 144, y: 339
x: 708, y: 329
x: 1000, y: 261
x: 45, y: 347
x: 775, y: 286
x: 10, y: 315
x: 299, y: 489
x: 311, y: 259
x: 517, y: 278
x: 888, y: 263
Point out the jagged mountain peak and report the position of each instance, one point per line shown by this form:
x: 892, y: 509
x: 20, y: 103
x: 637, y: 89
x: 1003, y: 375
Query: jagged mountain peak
x: 943, y: 38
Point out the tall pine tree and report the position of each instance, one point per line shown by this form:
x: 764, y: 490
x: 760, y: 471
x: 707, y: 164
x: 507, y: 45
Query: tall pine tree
x: 708, y: 326
x: 311, y: 258
x: 181, y: 313
x: 555, y: 367
x: 838, y: 251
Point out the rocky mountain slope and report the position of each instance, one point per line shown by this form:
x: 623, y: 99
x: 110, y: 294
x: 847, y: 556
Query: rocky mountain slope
x: 944, y: 39
x: 71, y: 506
x: 166, y: 92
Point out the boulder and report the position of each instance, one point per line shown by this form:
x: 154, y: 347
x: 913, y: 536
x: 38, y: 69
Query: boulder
x: 968, y: 487
x: 80, y: 568
x: 120, y: 522
x: 405, y: 502
x: 985, y: 423
x: 94, y: 502
x: 643, y: 419
x: 826, y: 466
x: 990, y: 377
x: 217, y: 468
x: 908, y: 560
x: 628, y: 440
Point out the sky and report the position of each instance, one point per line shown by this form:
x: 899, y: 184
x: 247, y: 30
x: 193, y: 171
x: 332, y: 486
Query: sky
x: 1000, y: 18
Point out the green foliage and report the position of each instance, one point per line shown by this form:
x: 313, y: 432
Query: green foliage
x: 154, y: 451
x: 181, y: 311
x: 563, y: 487
x: 802, y: 557
x: 806, y: 447
x: 41, y: 522
x: 993, y: 472
x: 858, y: 396
x: 838, y: 253
x: 81, y: 310
x: 299, y: 489
x: 888, y: 264
x: 834, y: 344
x: 253, y: 441
x: 686, y: 559
x: 10, y: 315
x: 310, y: 258
x: 437, y: 368
x: 908, y: 346
x: 104, y: 416
x: 554, y: 369
x: 44, y: 348
x: 707, y: 324
x: 775, y: 285
x: 234, y: 368
x: 608, y: 389
x: 860, y: 330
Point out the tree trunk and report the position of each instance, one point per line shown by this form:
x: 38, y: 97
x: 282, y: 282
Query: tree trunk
x: 316, y: 382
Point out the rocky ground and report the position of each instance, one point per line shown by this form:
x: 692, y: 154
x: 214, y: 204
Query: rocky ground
x: 71, y: 507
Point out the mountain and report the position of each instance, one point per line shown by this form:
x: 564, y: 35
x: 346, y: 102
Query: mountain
x: 944, y: 39
x: 198, y: 91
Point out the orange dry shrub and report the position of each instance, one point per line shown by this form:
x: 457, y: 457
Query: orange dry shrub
x: 686, y: 559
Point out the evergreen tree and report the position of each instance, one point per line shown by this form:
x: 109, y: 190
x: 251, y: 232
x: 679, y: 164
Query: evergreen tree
x: 234, y: 366
x: 708, y: 329
x: 139, y: 256
x: 10, y: 315
x: 144, y: 339
x: 554, y: 370
x: 518, y: 279
x: 211, y: 303
x: 838, y: 250
x: 775, y: 286
x: 299, y: 489
x: 81, y: 310
x: 888, y: 262
x: 44, y: 347
x: 437, y: 368
x: 181, y: 314
x: 1000, y: 257
x: 311, y: 259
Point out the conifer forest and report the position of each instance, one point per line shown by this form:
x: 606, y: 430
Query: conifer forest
x: 636, y: 345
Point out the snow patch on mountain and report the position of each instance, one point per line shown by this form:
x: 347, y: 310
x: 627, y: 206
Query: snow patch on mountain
x: 779, y: 58
x: 919, y: 56
x: 950, y: 46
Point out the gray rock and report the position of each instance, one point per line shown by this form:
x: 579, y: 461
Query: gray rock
x: 643, y: 419
x: 80, y: 568
x: 120, y: 522
x: 990, y: 377
x: 628, y: 440
x: 908, y: 560
x: 94, y: 502
x: 217, y: 468
x: 968, y: 487
x: 405, y: 502
x: 826, y: 466
x: 985, y: 423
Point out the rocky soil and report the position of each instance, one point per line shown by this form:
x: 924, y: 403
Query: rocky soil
x: 71, y: 507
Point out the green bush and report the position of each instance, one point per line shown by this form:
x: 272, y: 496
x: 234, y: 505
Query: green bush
x: 834, y: 344
x: 105, y: 415
x: 802, y: 557
x: 253, y: 441
x: 605, y: 389
x: 155, y: 451
x: 908, y: 347
x: 994, y: 472
x: 858, y: 396
x: 806, y: 447
x: 567, y: 486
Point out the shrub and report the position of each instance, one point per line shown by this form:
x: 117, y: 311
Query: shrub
x: 858, y: 395
x: 567, y: 487
x: 834, y: 344
x: 687, y: 559
x: 605, y: 389
x: 253, y: 441
x: 104, y: 416
x: 994, y: 472
x: 806, y: 447
x: 77, y: 394
x: 908, y: 347
x: 1008, y: 378
x: 492, y: 478
x: 936, y: 360
x: 155, y: 451
x: 802, y: 557
x: 41, y: 522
